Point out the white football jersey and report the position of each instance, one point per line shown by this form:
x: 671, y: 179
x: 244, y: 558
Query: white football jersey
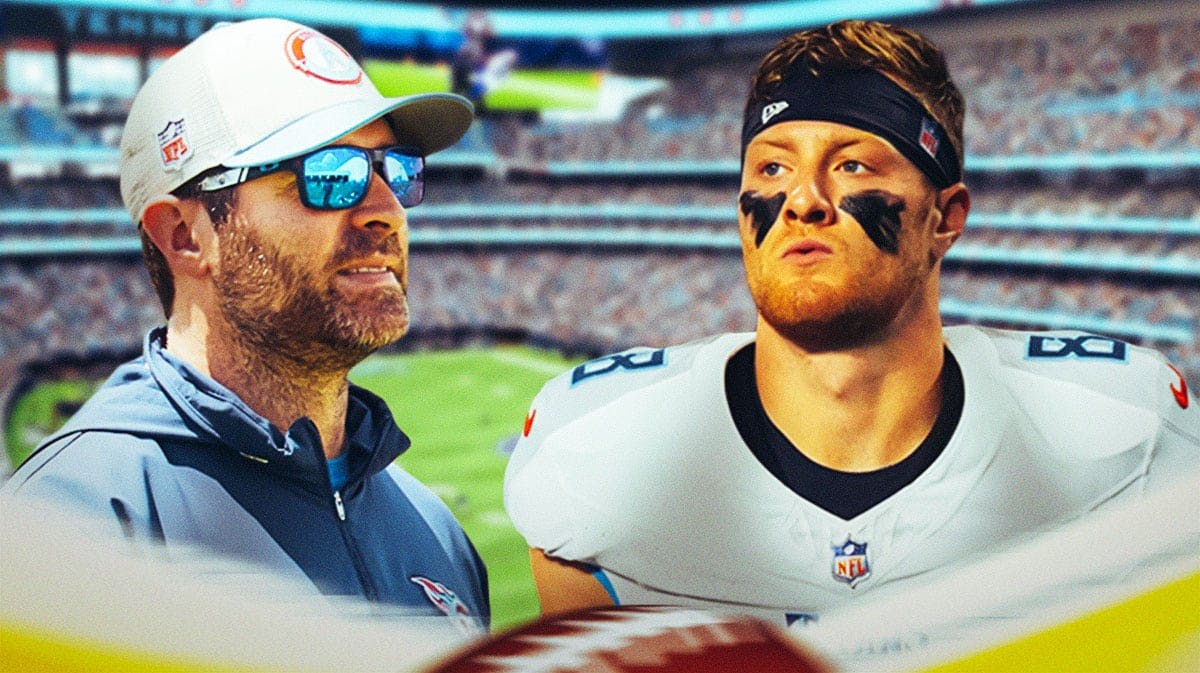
x: 632, y: 462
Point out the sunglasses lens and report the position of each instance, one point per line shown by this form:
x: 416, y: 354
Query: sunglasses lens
x: 406, y: 176
x: 336, y: 177
x: 339, y: 177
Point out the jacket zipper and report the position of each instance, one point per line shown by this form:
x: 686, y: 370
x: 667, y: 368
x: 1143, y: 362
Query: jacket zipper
x: 337, y: 502
x: 370, y: 592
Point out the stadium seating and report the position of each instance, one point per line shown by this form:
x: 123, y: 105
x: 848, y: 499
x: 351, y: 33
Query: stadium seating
x: 1082, y: 158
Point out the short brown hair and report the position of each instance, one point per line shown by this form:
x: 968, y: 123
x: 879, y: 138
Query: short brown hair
x: 218, y: 204
x: 903, y: 55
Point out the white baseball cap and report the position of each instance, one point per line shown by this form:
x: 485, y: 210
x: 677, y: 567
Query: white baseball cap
x: 258, y: 91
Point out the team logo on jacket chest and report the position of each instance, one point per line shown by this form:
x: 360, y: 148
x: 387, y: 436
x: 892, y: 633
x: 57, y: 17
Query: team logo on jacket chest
x: 442, y: 597
x: 850, y: 562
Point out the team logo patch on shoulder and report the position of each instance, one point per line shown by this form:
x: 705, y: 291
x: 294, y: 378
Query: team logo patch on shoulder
x: 618, y: 362
x: 173, y: 145
x: 314, y: 54
x: 850, y: 563
x: 1086, y: 346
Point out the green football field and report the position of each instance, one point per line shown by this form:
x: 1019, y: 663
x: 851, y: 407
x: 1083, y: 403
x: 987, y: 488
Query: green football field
x: 458, y: 407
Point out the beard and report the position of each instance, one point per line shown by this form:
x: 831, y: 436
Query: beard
x: 820, y: 317
x: 279, y: 304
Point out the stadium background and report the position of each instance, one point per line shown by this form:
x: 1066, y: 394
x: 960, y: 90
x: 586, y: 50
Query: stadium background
x: 592, y: 206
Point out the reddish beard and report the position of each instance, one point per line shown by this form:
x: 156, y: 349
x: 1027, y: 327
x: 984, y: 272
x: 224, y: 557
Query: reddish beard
x: 276, y: 302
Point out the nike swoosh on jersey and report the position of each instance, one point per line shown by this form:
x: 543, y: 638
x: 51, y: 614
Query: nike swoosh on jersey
x: 1180, y: 393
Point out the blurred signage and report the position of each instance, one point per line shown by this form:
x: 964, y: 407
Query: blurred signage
x: 83, y: 23
x: 110, y: 24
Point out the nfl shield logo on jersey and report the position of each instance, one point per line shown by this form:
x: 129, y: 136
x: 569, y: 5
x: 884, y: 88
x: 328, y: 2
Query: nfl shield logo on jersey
x: 850, y: 564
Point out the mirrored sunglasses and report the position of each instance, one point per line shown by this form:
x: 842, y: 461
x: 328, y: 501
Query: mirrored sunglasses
x: 338, y: 176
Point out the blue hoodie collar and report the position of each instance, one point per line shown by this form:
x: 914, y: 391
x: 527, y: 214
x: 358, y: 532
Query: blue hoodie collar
x: 160, y: 396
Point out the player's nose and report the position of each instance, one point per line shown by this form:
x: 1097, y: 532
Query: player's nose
x: 807, y: 203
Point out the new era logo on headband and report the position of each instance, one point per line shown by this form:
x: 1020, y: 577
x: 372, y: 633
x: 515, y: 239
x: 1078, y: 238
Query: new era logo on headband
x: 929, y: 139
x: 772, y: 110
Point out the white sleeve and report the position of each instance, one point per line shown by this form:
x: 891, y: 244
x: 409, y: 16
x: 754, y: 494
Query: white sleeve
x: 533, y: 494
x: 1177, y: 450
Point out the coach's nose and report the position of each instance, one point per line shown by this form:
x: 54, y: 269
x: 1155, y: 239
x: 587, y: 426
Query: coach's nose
x: 380, y: 211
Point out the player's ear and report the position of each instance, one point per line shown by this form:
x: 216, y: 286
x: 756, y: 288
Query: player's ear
x: 181, y: 231
x: 954, y: 203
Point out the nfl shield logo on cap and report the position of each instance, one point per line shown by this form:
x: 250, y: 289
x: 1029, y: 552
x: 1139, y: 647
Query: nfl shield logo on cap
x: 173, y: 145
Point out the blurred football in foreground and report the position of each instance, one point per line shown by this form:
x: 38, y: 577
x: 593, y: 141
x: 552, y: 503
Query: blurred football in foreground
x: 636, y: 639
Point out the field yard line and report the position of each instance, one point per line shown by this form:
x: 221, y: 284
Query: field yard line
x: 528, y: 362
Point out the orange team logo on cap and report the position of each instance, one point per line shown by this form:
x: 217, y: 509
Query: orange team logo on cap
x: 314, y: 54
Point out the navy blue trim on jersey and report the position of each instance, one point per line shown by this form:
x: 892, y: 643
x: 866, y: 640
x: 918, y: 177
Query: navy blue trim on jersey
x: 845, y: 494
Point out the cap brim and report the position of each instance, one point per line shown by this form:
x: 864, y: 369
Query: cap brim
x: 427, y: 122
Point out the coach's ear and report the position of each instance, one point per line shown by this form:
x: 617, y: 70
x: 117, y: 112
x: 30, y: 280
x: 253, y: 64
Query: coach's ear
x: 181, y: 231
x: 953, y: 202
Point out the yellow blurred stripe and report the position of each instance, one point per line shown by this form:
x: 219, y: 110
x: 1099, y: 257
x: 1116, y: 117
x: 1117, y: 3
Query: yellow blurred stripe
x: 1158, y: 632
x: 24, y: 650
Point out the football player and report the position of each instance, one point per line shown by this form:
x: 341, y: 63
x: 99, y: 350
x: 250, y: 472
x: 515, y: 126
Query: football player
x: 851, y: 444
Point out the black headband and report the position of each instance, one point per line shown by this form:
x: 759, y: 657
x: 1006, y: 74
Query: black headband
x: 866, y: 100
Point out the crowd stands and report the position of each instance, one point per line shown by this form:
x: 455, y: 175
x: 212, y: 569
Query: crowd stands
x: 38, y: 209
x: 526, y: 190
x: 1103, y: 91
x: 1100, y: 195
x: 1116, y: 89
x: 1099, y: 244
x: 60, y: 194
x: 1144, y: 301
x: 612, y: 299
x: 1089, y: 91
x: 75, y: 307
x: 619, y: 299
x: 1127, y: 89
x: 41, y: 124
x: 1174, y: 204
x: 606, y: 299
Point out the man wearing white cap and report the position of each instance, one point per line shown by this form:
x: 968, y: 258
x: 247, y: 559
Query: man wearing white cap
x: 270, y: 179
